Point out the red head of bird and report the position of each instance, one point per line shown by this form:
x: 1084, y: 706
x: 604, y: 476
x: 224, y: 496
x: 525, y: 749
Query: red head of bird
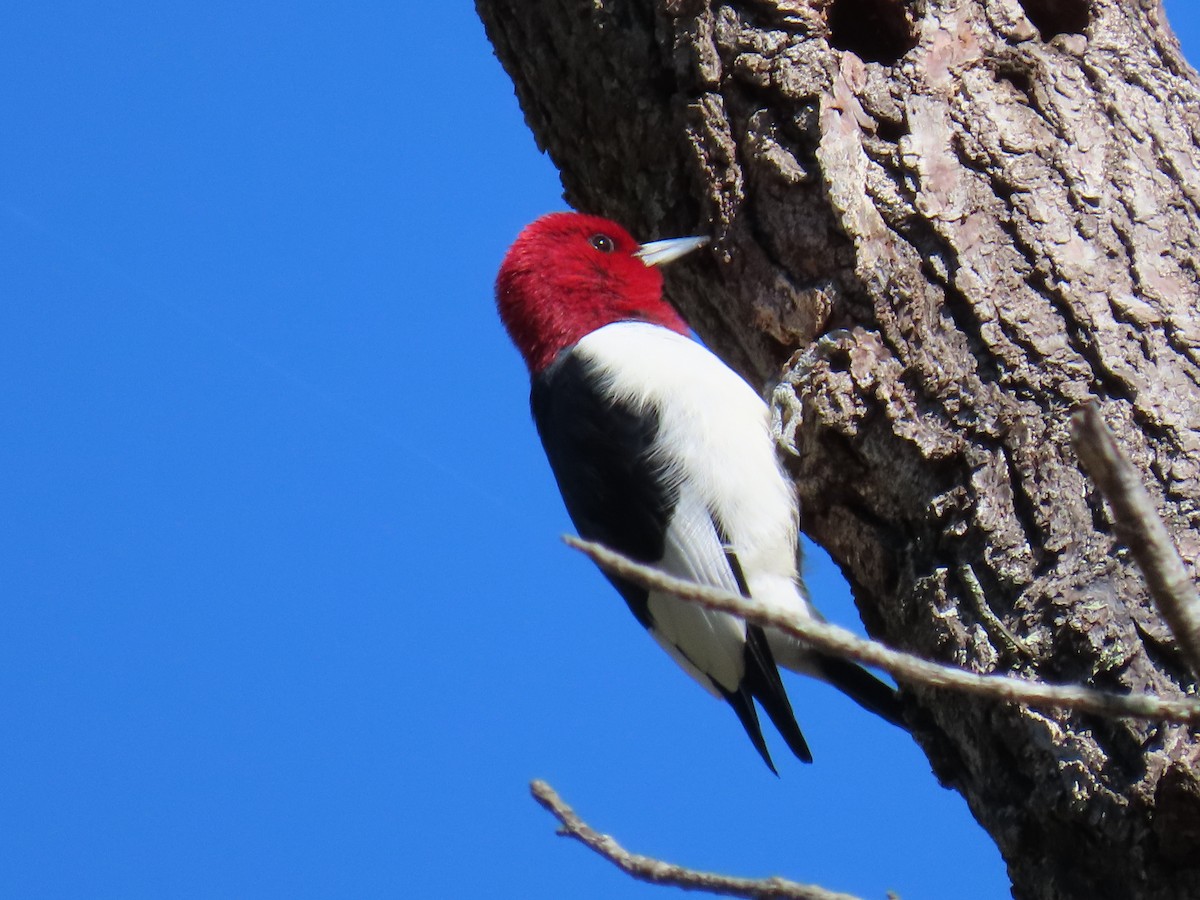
x: 568, y: 274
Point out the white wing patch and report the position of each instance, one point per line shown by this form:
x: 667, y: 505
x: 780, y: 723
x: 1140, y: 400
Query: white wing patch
x: 710, y: 643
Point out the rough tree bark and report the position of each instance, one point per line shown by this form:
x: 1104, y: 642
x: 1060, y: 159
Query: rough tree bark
x: 990, y: 210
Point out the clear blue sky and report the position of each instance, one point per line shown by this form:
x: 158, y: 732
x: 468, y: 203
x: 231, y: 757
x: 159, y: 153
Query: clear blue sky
x: 285, y: 613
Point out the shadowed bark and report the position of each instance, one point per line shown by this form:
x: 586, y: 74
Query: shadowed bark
x: 942, y: 224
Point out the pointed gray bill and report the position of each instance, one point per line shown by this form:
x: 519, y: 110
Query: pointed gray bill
x: 658, y: 253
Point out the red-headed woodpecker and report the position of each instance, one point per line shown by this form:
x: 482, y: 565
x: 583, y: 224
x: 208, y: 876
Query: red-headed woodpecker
x: 664, y: 454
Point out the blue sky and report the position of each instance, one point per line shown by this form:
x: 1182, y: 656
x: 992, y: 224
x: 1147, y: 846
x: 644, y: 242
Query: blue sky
x: 286, y: 613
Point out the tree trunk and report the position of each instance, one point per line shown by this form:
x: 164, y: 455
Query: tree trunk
x: 989, y: 208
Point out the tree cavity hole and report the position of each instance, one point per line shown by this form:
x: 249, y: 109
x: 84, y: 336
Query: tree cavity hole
x: 1054, y: 17
x: 874, y: 30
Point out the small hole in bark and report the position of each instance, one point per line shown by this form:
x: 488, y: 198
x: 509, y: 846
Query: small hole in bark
x: 875, y: 30
x: 1021, y: 79
x: 1054, y: 17
x: 890, y: 131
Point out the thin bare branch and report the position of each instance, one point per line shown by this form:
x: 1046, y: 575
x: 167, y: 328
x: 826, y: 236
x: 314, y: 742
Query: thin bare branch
x: 1140, y: 528
x: 903, y: 666
x: 655, y: 871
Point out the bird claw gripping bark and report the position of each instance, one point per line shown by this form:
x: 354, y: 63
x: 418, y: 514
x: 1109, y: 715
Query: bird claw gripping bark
x: 786, y: 406
x: 786, y: 410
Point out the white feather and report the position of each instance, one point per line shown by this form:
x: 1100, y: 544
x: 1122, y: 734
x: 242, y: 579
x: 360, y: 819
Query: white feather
x: 711, y: 642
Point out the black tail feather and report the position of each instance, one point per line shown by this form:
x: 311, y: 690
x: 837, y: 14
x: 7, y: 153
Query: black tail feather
x: 743, y: 704
x: 862, y: 687
x: 761, y: 682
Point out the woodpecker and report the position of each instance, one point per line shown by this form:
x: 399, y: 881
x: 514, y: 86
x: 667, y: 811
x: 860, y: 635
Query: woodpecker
x: 664, y: 454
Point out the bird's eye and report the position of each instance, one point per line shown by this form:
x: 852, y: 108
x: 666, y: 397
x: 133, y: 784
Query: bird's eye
x: 603, y: 243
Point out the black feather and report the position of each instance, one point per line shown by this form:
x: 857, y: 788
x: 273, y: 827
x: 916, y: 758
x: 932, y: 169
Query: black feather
x: 862, y: 687
x: 598, y: 451
x: 763, y: 682
x: 743, y: 704
x: 761, y: 678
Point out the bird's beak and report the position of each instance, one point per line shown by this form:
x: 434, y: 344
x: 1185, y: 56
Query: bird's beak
x: 657, y: 253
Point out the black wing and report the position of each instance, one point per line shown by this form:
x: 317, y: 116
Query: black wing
x: 598, y: 452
